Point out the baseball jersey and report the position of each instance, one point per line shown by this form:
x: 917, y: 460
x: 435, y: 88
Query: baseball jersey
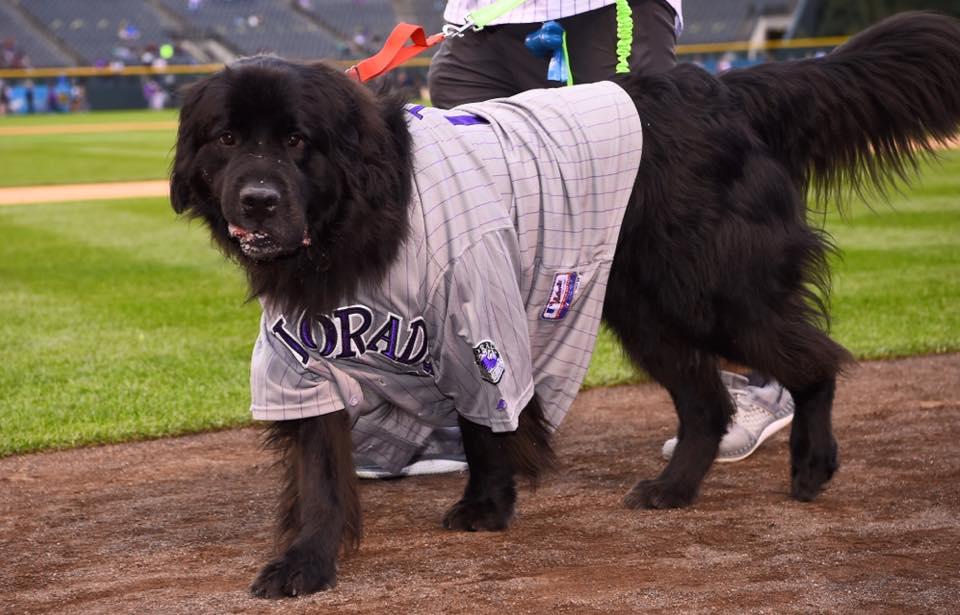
x: 497, y: 290
x: 533, y: 11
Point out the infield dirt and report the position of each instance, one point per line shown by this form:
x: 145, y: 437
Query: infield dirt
x: 182, y: 525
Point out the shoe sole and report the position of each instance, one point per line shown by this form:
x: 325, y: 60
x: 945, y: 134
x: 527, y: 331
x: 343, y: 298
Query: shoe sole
x: 424, y: 467
x: 768, y: 431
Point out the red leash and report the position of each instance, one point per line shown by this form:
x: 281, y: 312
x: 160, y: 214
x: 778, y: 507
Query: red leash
x: 396, y: 51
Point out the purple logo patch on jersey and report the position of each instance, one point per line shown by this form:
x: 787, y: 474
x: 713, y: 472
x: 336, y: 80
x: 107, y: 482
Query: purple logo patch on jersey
x: 565, y: 286
x: 489, y: 361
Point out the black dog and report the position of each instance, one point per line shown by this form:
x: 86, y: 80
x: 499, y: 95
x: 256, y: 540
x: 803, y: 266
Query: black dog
x: 715, y: 256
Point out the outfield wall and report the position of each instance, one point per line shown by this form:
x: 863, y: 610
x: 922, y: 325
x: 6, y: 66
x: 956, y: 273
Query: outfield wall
x: 136, y: 87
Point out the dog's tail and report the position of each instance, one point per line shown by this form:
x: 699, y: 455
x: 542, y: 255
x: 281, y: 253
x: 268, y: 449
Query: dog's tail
x: 864, y: 115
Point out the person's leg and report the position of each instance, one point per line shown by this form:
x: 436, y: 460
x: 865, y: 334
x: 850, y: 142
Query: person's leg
x: 592, y: 41
x: 654, y: 37
x: 485, y: 64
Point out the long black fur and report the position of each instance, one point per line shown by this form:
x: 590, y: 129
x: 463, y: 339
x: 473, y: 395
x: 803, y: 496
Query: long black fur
x: 494, y: 459
x: 319, y: 508
x: 715, y: 259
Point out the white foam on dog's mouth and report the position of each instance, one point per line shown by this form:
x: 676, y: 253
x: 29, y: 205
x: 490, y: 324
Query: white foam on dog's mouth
x: 255, y: 244
x: 258, y: 244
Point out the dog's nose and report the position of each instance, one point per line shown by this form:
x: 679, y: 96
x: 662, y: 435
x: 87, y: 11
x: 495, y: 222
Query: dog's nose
x: 259, y: 202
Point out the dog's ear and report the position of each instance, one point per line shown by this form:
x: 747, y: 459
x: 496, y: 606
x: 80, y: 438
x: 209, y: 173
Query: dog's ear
x: 179, y: 192
x: 189, y: 140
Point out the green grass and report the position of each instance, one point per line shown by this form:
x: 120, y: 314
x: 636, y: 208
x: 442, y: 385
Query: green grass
x: 115, y: 155
x: 118, y: 321
x: 85, y: 158
x: 94, y: 117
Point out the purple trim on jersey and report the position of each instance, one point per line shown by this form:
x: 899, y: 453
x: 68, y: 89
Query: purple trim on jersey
x: 427, y: 367
x: 465, y: 120
x: 415, y: 110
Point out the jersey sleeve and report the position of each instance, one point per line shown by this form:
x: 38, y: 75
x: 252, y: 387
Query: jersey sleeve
x: 481, y: 347
x: 281, y: 386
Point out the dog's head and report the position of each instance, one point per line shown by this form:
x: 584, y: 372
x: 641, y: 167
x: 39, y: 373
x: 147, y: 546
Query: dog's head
x: 298, y: 171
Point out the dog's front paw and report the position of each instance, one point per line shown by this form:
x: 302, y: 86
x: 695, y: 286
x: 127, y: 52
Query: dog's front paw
x: 811, y: 472
x: 294, y: 574
x: 473, y: 515
x: 659, y: 494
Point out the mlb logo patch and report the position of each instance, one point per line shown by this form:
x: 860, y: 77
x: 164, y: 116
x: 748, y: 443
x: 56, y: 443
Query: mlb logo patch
x: 489, y: 361
x: 565, y: 286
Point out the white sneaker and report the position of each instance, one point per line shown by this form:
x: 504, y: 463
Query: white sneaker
x: 761, y: 412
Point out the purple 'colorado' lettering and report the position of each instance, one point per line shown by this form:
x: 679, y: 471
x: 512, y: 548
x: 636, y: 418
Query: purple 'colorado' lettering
x: 330, y: 335
x: 352, y: 343
x: 387, y: 333
x: 344, y: 335
x: 292, y: 345
x: 408, y: 356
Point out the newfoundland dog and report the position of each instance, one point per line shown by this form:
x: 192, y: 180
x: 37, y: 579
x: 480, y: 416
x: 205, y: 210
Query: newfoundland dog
x: 382, y: 276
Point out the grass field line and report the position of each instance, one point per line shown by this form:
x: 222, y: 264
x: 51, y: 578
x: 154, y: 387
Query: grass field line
x: 21, y: 131
x: 24, y: 195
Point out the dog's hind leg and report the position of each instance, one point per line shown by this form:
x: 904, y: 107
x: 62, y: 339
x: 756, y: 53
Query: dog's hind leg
x: 319, y: 506
x: 813, y: 449
x: 795, y: 351
x: 806, y: 361
x: 494, y: 460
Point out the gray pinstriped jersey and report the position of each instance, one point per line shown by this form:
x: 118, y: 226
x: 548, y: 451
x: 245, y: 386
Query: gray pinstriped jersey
x: 497, y: 291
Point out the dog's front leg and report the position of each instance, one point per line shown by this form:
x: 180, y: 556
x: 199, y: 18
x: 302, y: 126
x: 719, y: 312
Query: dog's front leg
x: 319, y: 505
x: 494, y: 460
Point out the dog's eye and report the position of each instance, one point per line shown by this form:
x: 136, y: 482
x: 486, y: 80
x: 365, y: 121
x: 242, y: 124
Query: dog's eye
x: 295, y: 140
x: 227, y: 138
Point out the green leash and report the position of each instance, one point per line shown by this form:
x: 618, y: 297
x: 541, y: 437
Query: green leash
x: 624, y: 35
x: 484, y: 15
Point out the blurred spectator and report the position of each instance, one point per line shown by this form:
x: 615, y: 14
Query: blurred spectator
x: 53, y: 101
x: 8, y: 50
x: 360, y: 39
x: 128, y: 31
x: 155, y: 95
x: 4, y: 98
x: 149, y: 55
x: 12, y: 56
x: 725, y: 63
x: 78, y: 97
x: 28, y: 96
